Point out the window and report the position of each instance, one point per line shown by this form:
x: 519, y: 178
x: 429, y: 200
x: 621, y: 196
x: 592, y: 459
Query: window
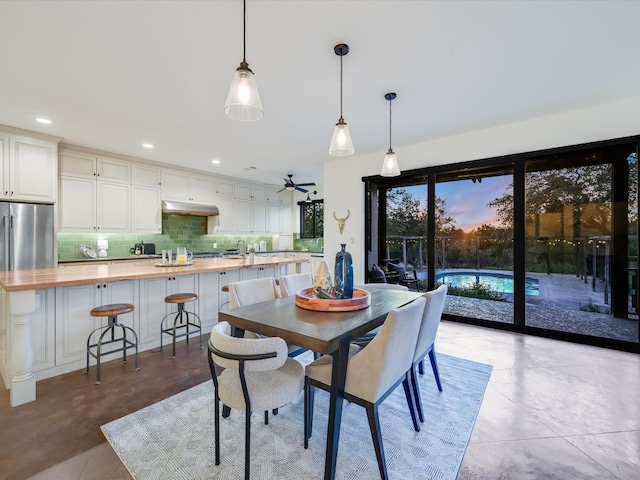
x: 311, y: 219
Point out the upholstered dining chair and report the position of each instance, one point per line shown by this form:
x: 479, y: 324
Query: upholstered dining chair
x: 373, y: 372
x: 248, y: 292
x: 258, y: 376
x: 291, y: 284
x: 364, y: 340
x: 425, y: 344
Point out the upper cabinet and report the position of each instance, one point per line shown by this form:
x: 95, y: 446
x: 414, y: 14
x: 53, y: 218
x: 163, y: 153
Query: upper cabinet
x: 146, y: 175
x: 28, y: 169
x: 95, y: 193
x: 185, y: 187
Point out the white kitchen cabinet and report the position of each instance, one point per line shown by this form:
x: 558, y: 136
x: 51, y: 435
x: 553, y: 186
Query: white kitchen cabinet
x: 28, y: 169
x: 184, y: 187
x: 285, y: 219
x: 249, y: 192
x: 250, y: 217
x: 74, y: 324
x: 225, y: 219
x: 87, y: 205
x: 87, y: 165
x: 147, y: 210
x: 224, y: 188
x: 146, y: 175
x: 273, y: 218
x: 208, y: 293
x: 153, y: 308
x: 224, y: 279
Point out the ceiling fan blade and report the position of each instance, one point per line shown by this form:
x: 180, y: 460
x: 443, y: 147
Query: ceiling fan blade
x: 303, y: 190
x: 309, y: 184
x: 282, y: 189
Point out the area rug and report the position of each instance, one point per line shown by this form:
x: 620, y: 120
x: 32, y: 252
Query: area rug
x: 174, y: 438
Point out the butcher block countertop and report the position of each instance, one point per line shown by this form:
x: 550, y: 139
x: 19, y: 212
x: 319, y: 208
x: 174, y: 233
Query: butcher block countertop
x: 87, y: 274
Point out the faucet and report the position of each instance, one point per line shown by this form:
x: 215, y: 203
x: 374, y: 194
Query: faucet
x: 244, y: 248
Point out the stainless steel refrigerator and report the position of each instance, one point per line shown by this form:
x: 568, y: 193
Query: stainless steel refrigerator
x: 28, y: 236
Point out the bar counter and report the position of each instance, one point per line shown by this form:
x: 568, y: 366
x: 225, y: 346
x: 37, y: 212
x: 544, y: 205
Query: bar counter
x: 45, y: 319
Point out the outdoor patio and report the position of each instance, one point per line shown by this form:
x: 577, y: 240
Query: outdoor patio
x: 556, y: 307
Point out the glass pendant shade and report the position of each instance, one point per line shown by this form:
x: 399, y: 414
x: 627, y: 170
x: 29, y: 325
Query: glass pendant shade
x: 390, y: 167
x: 341, y: 144
x: 243, y: 102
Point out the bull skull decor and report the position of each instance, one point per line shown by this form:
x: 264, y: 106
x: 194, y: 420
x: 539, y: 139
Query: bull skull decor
x: 341, y: 220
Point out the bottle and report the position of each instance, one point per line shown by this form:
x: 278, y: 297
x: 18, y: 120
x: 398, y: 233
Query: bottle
x: 343, y: 273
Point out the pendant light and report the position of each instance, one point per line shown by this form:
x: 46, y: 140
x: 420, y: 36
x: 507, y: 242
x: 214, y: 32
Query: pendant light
x: 243, y: 101
x: 390, y: 166
x: 341, y: 144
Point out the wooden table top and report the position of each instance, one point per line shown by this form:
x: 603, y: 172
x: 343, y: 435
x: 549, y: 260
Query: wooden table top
x: 88, y: 274
x: 318, y: 331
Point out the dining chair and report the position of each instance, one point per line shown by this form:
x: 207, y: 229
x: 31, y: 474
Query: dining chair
x: 373, y: 372
x: 425, y: 344
x: 364, y: 340
x: 291, y: 284
x: 258, y: 376
x: 248, y: 292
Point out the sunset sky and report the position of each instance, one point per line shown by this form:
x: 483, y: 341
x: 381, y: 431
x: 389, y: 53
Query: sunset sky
x: 466, y: 201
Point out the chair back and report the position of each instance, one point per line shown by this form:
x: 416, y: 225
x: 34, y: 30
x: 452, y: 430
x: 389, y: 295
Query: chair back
x: 430, y: 320
x: 222, y: 340
x: 249, y: 292
x: 387, y: 286
x: 378, y: 366
x: 292, y: 284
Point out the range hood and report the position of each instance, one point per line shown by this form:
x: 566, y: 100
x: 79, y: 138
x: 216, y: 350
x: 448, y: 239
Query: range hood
x: 182, y: 208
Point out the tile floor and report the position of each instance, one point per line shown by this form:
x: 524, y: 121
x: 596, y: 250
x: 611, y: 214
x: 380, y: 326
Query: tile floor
x: 552, y: 410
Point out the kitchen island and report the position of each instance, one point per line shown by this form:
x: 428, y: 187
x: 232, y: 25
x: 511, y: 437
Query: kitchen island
x: 45, y: 319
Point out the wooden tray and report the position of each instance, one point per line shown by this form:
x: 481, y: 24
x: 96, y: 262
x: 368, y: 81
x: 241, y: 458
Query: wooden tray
x: 306, y: 299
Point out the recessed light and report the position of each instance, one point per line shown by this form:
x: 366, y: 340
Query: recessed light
x: 147, y: 145
x: 215, y: 162
x: 43, y: 120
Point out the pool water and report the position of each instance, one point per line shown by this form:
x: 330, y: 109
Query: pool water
x: 497, y: 282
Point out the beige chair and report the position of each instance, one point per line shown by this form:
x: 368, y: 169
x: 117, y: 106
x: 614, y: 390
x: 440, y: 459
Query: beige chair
x: 291, y: 284
x: 258, y: 376
x: 373, y: 372
x: 364, y: 340
x: 248, y: 292
x: 426, y: 341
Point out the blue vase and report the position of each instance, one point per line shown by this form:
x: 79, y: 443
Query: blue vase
x: 343, y: 273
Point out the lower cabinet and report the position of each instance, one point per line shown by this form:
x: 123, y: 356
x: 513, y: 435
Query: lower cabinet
x: 152, y: 306
x: 73, y: 322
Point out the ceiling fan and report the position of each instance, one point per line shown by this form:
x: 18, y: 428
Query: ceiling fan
x: 289, y: 184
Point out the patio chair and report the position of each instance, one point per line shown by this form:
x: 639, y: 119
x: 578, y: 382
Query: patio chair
x: 373, y: 372
x: 409, y: 279
x: 258, y: 376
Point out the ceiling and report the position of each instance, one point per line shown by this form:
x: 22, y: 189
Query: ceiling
x: 114, y: 75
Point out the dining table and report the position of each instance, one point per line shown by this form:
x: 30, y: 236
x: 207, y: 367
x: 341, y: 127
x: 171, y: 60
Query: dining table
x: 326, y: 332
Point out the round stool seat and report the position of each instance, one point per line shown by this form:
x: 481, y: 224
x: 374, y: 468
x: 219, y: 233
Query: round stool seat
x: 111, y: 310
x: 180, y: 297
x: 225, y: 288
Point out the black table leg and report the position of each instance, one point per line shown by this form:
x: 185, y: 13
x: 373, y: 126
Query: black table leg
x: 338, y: 377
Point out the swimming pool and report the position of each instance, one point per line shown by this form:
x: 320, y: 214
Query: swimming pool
x: 497, y: 282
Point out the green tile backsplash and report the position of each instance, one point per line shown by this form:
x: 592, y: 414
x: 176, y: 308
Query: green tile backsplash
x: 177, y: 231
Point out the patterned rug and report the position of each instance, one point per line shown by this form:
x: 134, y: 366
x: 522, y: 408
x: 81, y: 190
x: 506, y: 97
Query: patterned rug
x: 174, y: 438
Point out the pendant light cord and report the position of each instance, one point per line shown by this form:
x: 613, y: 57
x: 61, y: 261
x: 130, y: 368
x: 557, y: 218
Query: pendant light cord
x: 390, y: 101
x: 341, y: 86
x: 244, y: 31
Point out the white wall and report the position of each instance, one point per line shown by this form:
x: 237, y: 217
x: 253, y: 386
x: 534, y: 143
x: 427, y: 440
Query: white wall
x: 344, y: 190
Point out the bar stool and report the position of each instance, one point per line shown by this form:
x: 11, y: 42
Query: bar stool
x: 111, y: 311
x: 180, y: 299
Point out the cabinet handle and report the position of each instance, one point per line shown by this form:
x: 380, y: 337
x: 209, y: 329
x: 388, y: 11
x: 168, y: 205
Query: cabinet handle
x: 12, y: 193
